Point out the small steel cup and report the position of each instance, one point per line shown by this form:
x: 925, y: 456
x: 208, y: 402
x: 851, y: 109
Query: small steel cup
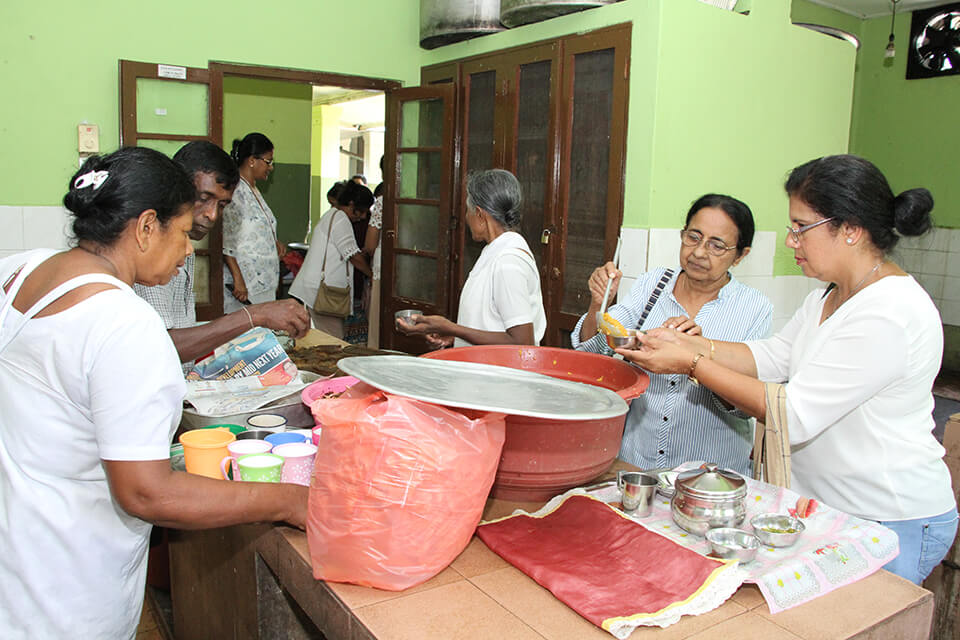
x: 636, y: 492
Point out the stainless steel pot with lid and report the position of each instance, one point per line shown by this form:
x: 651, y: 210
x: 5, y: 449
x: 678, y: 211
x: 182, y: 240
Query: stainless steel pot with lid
x: 708, y: 497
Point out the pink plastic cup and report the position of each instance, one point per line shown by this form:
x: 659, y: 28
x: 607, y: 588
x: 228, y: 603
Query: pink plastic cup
x: 241, y: 448
x: 297, y: 461
x: 316, y: 435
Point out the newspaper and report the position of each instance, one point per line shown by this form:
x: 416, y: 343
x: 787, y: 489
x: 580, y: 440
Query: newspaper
x: 242, y: 375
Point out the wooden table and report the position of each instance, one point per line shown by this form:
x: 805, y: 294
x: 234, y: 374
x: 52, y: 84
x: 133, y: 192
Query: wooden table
x: 255, y: 581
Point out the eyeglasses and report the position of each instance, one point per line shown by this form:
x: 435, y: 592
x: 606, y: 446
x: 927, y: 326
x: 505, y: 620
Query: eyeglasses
x: 269, y: 162
x: 694, y: 238
x: 795, y: 233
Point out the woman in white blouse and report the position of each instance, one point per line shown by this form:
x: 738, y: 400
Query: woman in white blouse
x: 334, y: 254
x: 501, y: 301
x: 858, y: 360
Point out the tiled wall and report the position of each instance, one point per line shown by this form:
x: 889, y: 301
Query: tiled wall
x: 934, y: 260
x: 23, y: 228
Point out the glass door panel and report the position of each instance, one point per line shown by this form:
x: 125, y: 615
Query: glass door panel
x: 417, y: 205
x: 532, y: 150
x: 479, y: 147
x: 593, y: 80
x: 178, y: 108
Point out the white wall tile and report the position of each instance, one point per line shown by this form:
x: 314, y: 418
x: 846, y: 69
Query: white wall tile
x: 933, y: 284
x: 778, y: 323
x: 954, y: 241
x: 934, y: 240
x: 626, y: 284
x: 950, y: 312
x: 664, y: 248
x: 45, y: 227
x: 933, y: 263
x: 759, y: 262
x: 7, y: 254
x: 953, y: 264
x: 633, y: 253
x: 951, y: 287
x: 11, y: 228
x: 909, y: 259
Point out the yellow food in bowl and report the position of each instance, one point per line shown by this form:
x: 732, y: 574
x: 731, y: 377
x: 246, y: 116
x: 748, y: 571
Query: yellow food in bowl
x: 612, y: 327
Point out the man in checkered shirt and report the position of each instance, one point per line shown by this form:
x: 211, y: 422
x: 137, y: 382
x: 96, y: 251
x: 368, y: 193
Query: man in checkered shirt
x: 215, y: 177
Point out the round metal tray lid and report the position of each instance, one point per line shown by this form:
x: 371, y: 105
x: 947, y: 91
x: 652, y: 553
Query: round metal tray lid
x: 711, y: 482
x: 486, y: 387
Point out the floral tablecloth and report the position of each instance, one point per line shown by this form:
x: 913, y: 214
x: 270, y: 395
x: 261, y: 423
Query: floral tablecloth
x: 836, y: 548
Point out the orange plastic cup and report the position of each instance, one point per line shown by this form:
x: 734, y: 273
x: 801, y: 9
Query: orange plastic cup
x: 203, y: 449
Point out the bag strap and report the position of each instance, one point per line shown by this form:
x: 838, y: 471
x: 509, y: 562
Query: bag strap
x: 654, y: 295
x: 45, y: 301
x: 326, y: 245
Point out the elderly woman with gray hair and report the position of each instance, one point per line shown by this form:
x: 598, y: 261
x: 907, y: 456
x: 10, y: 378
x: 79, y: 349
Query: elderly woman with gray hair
x: 501, y: 301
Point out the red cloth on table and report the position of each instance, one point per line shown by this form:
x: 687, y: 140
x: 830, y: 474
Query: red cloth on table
x: 600, y: 563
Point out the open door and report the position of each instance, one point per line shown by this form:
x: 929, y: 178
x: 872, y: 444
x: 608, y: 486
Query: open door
x: 418, y: 212
x: 163, y: 107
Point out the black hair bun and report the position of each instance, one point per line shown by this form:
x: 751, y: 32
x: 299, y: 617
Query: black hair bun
x: 911, y: 212
x: 81, y: 195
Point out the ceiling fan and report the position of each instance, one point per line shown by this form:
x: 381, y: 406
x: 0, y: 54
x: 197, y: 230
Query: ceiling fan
x: 934, y: 48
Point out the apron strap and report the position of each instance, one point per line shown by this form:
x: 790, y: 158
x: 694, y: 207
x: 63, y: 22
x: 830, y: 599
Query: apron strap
x: 7, y: 335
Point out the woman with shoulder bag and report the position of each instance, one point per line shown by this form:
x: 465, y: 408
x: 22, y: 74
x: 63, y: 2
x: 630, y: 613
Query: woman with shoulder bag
x: 324, y: 283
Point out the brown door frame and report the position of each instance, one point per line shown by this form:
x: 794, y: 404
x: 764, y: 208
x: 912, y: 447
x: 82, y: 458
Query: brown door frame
x: 130, y: 71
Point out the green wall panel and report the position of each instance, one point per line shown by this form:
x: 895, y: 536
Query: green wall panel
x: 287, y: 191
x: 907, y: 127
x: 58, y: 64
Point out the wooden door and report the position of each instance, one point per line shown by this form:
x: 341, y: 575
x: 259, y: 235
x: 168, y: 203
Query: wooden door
x: 418, y: 208
x: 592, y: 152
x: 163, y: 107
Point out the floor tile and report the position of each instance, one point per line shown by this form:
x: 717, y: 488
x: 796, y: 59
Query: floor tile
x: 477, y: 559
x: 458, y: 611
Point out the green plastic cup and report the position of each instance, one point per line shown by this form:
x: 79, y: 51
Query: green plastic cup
x: 260, y: 467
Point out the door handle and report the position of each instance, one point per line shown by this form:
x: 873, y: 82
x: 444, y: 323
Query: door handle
x: 545, y: 236
x: 390, y: 233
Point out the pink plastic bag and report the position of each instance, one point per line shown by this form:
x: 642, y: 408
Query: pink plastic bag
x: 398, y: 486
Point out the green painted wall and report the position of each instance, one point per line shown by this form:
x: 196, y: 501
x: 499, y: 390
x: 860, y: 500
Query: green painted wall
x: 718, y: 102
x: 58, y: 64
x: 741, y: 101
x: 907, y: 127
x: 281, y: 111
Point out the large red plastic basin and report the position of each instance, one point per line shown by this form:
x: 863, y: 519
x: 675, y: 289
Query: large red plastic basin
x: 542, y: 458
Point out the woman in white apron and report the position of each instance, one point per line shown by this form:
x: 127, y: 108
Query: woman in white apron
x: 91, y: 392
x: 501, y: 301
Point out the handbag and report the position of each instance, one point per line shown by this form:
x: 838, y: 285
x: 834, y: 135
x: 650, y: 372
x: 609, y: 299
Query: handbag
x: 331, y: 301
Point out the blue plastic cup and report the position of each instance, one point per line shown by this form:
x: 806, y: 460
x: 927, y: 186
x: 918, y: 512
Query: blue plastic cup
x: 283, y: 438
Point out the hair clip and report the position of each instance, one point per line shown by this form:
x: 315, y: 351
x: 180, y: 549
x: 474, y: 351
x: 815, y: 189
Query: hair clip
x: 94, y: 178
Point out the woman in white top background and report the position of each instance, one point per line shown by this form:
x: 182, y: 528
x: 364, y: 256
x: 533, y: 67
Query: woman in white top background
x: 858, y: 359
x: 501, y: 302
x: 334, y: 254
x: 91, y: 392
x: 251, y: 251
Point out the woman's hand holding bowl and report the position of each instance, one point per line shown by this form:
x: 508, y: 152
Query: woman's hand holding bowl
x: 663, y: 351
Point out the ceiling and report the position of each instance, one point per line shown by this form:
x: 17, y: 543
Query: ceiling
x: 875, y: 8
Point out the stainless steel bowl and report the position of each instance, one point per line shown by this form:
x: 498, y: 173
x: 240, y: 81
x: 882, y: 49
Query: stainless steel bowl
x: 776, y: 529
x: 618, y: 342
x: 407, y: 314
x: 665, y: 480
x: 728, y: 543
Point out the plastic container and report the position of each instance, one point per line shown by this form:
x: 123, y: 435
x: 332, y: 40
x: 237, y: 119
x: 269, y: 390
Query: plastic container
x: 542, y: 458
x: 320, y: 387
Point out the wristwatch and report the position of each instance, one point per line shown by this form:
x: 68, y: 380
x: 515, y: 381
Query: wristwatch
x: 693, y: 367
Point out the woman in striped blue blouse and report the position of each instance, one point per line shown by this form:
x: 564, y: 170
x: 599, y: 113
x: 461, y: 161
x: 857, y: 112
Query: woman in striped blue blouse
x: 676, y: 421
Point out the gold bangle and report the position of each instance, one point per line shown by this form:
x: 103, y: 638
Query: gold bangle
x: 713, y: 349
x: 693, y: 367
x: 249, y: 317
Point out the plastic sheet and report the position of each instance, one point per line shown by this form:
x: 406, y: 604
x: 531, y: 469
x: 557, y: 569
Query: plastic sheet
x: 398, y: 486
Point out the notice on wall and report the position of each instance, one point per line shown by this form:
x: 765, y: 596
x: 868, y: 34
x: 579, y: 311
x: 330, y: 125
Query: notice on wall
x: 170, y: 71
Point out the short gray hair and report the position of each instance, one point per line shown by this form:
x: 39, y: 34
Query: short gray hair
x: 498, y: 193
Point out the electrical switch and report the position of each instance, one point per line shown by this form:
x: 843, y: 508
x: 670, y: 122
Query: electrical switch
x: 88, y: 138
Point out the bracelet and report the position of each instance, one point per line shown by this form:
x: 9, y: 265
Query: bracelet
x: 693, y: 367
x: 713, y: 349
x: 249, y: 317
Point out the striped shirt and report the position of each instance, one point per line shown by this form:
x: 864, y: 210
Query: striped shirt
x: 174, y: 301
x: 676, y: 421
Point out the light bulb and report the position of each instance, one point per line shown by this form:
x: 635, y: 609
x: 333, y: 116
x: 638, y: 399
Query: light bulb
x: 891, y: 49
